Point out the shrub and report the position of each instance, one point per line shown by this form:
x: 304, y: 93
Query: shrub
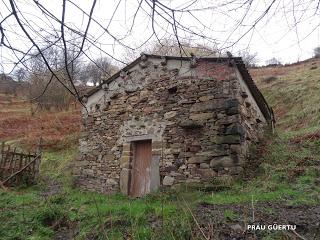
x: 269, y: 79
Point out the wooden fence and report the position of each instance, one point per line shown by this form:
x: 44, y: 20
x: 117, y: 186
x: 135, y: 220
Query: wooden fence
x: 17, y: 167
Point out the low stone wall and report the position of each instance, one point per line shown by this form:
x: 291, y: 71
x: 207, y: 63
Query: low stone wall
x: 200, y: 121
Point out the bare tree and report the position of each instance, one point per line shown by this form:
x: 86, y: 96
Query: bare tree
x: 45, y: 88
x: 169, y: 47
x: 95, y: 72
x: 250, y: 59
x: 273, y: 62
x: 7, y: 84
x: 317, y: 52
x: 20, y: 74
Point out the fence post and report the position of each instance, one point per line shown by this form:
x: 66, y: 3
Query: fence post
x: 1, y: 159
x: 20, y: 166
x: 12, y: 164
x: 39, y: 148
x: 6, y: 158
x: 37, y: 162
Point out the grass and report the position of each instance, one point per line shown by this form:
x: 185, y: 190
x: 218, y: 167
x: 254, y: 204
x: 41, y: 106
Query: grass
x: 229, y: 214
x: 31, y: 216
x: 57, y: 163
x: 27, y: 213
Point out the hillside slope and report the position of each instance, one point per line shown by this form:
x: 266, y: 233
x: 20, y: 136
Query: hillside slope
x: 293, y: 92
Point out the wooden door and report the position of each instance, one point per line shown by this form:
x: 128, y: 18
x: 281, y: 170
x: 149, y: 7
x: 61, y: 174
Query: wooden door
x: 140, y: 181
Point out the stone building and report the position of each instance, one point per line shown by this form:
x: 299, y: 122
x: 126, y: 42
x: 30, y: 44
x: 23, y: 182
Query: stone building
x: 169, y: 120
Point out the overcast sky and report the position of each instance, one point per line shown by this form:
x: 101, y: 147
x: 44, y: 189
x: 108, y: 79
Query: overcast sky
x: 289, y: 31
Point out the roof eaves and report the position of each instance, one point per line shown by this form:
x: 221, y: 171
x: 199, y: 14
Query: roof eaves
x: 257, y: 95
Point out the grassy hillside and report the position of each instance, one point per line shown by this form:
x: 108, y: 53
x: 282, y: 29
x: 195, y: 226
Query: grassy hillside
x: 293, y: 92
x: 284, y: 188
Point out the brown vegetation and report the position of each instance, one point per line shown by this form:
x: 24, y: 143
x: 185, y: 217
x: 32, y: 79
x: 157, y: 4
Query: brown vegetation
x: 18, y: 124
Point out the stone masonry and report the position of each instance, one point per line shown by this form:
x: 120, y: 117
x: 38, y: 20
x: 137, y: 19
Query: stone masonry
x: 200, y: 114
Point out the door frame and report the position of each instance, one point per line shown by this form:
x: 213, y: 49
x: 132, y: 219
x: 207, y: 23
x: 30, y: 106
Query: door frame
x: 126, y: 163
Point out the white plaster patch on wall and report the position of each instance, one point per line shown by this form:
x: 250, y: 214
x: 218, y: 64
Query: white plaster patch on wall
x: 126, y: 84
x: 183, y: 67
x: 134, y: 130
x: 117, y: 86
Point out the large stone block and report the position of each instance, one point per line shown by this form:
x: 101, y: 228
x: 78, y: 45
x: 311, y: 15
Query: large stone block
x: 206, y: 173
x: 88, y: 171
x: 189, y: 124
x: 194, y: 148
x: 156, y: 151
x: 201, y: 116
x: 108, y: 157
x: 126, y: 147
x: 170, y: 114
x: 204, y: 165
x: 168, y: 181
x: 124, y: 162
x: 126, y: 153
x: 229, y: 119
x: 198, y: 159
x: 217, y: 150
x: 231, y: 103
x: 225, y: 161
x: 232, y: 111
x: 157, y: 145
x: 235, y: 129
x: 235, y: 170
x: 81, y: 163
x: 208, y: 105
x: 228, y: 139
x: 124, y: 181
x: 111, y: 182
x: 144, y: 94
x: 205, y: 98
x: 235, y: 148
x: 133, y: 99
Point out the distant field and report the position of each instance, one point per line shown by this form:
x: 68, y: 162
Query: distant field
x: 21, y: 123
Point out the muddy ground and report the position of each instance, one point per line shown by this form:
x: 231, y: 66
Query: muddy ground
x: 231, y: 221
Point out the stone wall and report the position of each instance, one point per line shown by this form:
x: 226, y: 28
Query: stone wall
x: 200, y: 119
